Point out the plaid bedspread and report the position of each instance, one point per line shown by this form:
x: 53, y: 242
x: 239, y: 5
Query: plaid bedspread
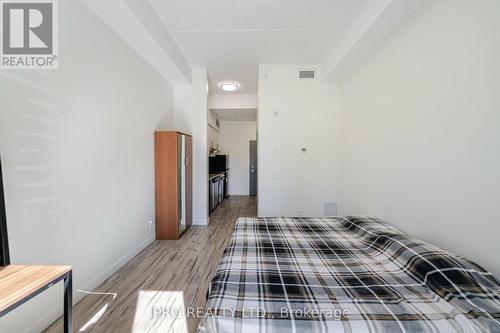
x: 352, y: 274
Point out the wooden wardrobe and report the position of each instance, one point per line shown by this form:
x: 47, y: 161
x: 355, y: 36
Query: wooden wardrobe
x: 173, y: 184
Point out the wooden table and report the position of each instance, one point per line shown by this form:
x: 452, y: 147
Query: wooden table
x: 20, y: 283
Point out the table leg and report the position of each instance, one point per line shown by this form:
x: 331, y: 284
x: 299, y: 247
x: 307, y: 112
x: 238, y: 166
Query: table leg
x: 68, y: 303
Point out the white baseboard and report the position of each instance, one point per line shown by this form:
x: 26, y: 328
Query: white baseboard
x: 51, y: 316
x: 91, y: 285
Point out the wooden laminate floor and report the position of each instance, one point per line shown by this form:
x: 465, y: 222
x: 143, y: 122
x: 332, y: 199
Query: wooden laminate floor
x: 147, y: 293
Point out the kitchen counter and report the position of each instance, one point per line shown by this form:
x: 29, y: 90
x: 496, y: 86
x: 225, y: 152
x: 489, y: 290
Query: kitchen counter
x: 214, y: 175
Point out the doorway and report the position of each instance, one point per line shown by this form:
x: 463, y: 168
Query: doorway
x: 253, y: 167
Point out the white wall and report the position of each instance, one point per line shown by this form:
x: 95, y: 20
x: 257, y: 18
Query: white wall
x: 234, y: 141
x: 213, y: 131
x: 138, y: 24
x: 236, y: 101
x: 77, y: 149
x: 191, y: 117
x: 292, y: 182
x: 421, y: 130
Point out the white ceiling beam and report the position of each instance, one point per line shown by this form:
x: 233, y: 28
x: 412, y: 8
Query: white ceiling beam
x: 365, y: 35
x: 137, y: 24
x: 237, y: 101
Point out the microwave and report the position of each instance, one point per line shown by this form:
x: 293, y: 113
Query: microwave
x: 218, y: 163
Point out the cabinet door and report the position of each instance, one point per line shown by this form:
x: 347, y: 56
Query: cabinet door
x: 181, y: 167
x: 167, y: 185
x: 189, y: 179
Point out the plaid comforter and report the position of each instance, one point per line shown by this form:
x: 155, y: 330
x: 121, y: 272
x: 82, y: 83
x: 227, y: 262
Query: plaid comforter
x: 352, y: 274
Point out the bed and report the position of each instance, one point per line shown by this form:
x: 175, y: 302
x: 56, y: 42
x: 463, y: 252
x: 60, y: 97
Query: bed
x: 346, y: 274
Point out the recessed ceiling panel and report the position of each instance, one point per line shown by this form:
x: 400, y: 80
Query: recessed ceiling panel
x: 232, y: 37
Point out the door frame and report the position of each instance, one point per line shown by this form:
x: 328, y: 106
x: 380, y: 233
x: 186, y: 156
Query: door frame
x: 250, y: 167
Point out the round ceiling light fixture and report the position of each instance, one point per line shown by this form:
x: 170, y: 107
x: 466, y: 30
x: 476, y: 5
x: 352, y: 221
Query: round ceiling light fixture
x: 229, y: 85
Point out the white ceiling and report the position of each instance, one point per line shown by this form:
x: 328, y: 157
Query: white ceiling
x: 235, y: 114
x: 231, y: 37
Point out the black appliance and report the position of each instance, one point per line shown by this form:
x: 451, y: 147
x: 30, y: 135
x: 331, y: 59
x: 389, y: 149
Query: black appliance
x: 214, y: 193
x: 226, y: 183
x: 222, y: 191
x: 218, y: 163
